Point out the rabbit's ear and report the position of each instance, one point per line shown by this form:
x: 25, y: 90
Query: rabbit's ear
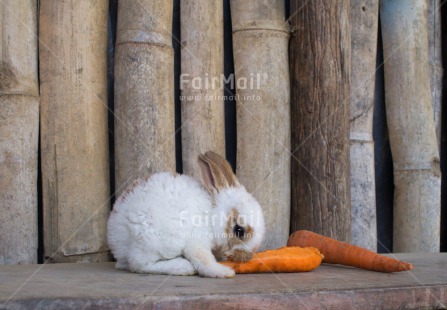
x: 214, y: 174
x: 224, y: 168
x: 213, y: 179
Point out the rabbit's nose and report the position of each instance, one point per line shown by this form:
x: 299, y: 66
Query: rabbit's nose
x: 241, y: 255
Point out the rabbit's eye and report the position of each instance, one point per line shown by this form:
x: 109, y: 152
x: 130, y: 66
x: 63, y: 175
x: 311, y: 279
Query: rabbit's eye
x: 239, y: 231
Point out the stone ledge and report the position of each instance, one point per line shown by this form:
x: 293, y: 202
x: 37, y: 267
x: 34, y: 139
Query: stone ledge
x: 99, y: 285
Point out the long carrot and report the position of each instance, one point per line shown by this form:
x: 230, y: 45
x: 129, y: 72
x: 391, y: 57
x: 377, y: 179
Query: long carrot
x: 285, y: 259
x: 337, y: 252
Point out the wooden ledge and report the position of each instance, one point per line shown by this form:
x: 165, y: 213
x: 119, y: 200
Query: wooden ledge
x: 99, y: 285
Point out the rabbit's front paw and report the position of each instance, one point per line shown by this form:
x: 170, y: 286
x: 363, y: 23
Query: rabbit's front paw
x: 217, y: 271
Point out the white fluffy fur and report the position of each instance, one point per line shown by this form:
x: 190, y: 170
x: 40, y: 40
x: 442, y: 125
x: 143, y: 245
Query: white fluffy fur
x: 168, y: 224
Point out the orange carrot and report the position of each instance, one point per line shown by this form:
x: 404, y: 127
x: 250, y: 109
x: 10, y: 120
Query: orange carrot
x: 337, y: 252
x: 285, y: 259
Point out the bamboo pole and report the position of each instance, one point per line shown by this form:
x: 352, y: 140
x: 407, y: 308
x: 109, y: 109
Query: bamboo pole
x: 203, y: 116
x: 364, y: 19
x: 144, y: 91
x: 74, y: 141
x: 320, y: 68
x: 260, y: 42
x: 435, y: 59
x: 417, y: 174
x: 19, y: 127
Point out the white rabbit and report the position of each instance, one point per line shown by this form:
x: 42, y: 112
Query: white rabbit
x: 170, y: 224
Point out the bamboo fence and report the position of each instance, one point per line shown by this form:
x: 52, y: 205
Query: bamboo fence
x: 435, y: 61
x: 74, y: 140
x: 203, y: 115
x: 364, y: 24
x: 417, y: 175
x: 320, y: 62
x: 144, y: 91
x: 19, y: 127
x: 260, y: 43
